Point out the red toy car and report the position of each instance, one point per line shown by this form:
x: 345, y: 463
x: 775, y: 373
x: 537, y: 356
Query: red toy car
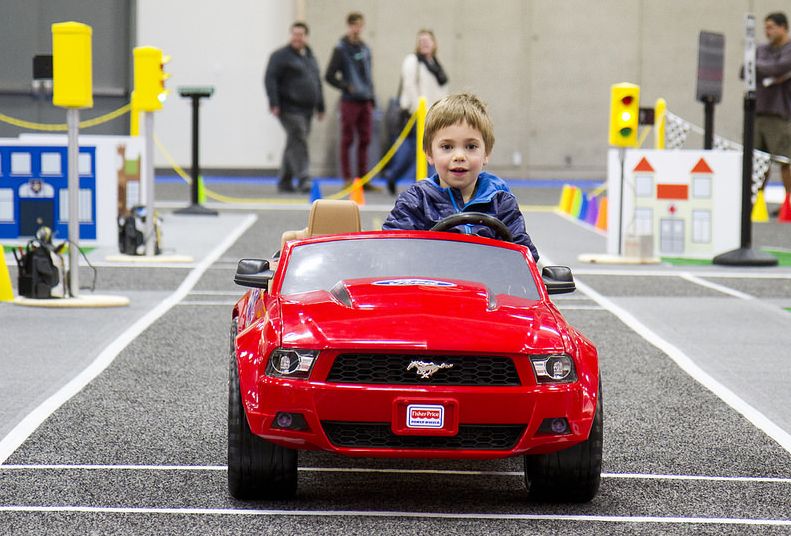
x: 410, y: 345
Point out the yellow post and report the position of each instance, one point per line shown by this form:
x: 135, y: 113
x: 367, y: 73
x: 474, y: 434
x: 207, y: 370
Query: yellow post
x: 72, y: 84
x: 134, y: 121
x: 421, y: 166
x: 659, y: 123
x: 6, y: 292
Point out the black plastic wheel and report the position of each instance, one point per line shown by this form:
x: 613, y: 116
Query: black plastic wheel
x: 570, y: 475
x: 256, y: 468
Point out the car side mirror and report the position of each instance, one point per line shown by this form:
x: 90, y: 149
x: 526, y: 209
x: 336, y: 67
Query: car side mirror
x: 558, y: 279
x: 253, y: 273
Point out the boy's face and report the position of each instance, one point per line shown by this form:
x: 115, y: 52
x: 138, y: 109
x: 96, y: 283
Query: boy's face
x: 459, y: 154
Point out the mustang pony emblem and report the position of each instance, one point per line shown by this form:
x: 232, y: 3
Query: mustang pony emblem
x: 426, y: 370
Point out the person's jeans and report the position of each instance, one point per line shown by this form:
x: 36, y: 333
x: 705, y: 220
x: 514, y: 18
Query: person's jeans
x: 356, y: 117
x: 295, y: 156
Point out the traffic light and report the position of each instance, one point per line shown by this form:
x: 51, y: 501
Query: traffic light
x: 150, y: 76
x: 624, y: 114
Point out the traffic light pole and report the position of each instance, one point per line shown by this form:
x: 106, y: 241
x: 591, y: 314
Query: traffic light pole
x: 745, y: 255
x: 621, y: 161
x: 708, y: 118
x: 73, y: 122
x: 148, y: 184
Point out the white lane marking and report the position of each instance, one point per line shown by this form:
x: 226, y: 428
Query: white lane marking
x: 33, y: 420
x: 216, y: 293
x: 564, y: 307
x: 686, y: 364
x: 675, y: 273
x: 714, y: 286
x: 207, y: 302
x: 630, y: 476
x: 397, y: 514
x: 108, y: 264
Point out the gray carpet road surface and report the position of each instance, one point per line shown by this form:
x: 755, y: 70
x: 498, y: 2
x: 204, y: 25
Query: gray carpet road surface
x: 162, y: 402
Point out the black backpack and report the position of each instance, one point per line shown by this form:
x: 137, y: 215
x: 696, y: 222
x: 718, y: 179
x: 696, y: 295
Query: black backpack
x: 38, y: 275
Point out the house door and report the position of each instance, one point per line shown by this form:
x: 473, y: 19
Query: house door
x: 671, y: 235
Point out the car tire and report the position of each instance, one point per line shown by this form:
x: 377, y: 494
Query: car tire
x: 257, y: 469
x: 570, y: 475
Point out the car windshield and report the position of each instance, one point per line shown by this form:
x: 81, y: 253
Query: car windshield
x: 321, y: 265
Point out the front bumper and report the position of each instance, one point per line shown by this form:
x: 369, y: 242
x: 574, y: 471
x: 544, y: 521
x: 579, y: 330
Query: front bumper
x: 370, y: 420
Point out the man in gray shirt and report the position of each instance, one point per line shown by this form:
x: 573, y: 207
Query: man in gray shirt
x: 293, y: 86
x: 773, y: 96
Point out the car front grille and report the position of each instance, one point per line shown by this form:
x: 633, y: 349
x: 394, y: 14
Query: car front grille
x: 392, y: 369
x: 380, y: 436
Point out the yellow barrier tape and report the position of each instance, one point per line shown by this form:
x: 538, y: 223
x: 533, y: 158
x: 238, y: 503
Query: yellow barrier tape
x: 341, y: 194
x: 215, y: 195
x: 643, y: 136
x: 382, y: 163
x: 54, y: 127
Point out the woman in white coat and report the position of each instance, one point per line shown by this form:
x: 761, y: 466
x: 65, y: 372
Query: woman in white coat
x: 421, y: 76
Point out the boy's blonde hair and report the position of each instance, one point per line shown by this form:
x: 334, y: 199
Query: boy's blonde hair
x: 459, y: 108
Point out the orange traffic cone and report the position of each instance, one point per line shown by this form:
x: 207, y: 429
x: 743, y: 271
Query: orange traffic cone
x: 357, y: 194
x: 785, y: 210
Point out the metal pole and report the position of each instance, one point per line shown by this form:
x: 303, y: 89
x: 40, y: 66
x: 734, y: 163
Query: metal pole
x: 195, y: 145
x: 708, y: 131
x: 747, y: 169
x: 73, y: 120
x: 622, y: 159
x: 148, y: 180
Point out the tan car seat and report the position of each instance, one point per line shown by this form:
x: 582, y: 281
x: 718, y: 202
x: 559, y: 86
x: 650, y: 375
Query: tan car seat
x: 327, y: 216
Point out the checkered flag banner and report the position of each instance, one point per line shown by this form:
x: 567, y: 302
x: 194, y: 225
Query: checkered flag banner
x: 677, y: 129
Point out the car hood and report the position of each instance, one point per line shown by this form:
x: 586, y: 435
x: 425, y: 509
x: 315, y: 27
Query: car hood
x: 448, y: 315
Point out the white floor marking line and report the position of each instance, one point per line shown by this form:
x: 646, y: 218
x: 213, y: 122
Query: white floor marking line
x: 675, y: 273
x: 564, y: 307
x: 216, y: 293
x: 714, y: 286
x: 363, y: 470
x: 207, y: 302
x: 397, y: 514
x: 686, y: 364
x: 33, y: 420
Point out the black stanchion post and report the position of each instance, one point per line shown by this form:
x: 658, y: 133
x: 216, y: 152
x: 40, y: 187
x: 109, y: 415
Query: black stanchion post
x: 745, y: 255
x: 708, y: 132
x: 196, y: 94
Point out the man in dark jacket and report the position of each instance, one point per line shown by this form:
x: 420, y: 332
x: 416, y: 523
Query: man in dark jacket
x: 350, y: 71
x: 293, y: 86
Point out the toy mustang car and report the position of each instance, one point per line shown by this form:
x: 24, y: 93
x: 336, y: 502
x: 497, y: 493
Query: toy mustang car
x: 410, y: 344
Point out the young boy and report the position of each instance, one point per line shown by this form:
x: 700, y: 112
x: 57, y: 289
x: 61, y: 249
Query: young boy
x: 458, y: 141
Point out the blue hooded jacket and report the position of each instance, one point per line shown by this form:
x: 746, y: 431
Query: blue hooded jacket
x: 425, y: 203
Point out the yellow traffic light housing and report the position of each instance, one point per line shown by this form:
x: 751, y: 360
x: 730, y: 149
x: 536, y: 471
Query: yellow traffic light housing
x: 149, y: 92
x: 72, y: 78
x: 624, y: 114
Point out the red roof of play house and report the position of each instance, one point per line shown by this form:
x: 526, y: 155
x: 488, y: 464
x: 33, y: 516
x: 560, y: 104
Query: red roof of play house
x: 701, y: 167
x: 643, y: 165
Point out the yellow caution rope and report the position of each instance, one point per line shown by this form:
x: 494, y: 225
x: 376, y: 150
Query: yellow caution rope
x: 53, y: 127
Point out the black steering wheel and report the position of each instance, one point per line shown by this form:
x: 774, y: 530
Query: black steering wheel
x: 501, y: 232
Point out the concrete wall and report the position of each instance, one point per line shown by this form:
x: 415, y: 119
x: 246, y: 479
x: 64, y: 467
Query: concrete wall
x: 544, y: 66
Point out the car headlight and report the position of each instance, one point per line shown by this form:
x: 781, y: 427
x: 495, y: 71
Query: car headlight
x: 291, y: 363
x: 556, y: 368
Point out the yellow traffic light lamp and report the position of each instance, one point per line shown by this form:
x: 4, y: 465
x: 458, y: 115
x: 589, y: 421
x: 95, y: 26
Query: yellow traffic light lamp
x: 149, y: 92
x: 72, y: 65
x: 624, y: 114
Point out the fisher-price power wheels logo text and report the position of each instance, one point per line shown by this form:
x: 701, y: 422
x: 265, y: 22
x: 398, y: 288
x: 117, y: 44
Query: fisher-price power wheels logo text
x: 425, y: 416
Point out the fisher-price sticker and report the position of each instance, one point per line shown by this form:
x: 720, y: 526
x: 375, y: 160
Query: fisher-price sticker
x: 425, y: 416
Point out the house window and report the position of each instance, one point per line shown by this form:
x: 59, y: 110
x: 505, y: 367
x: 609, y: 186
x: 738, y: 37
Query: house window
x: 701, y: 226
x: 84, y: 163
x: 86, y: 206
x: 6, y: 204
x: 701, y: 187
x: 20, y: 164
x: 50, y: 164
x: 644, y: 185
x: 643, y: 221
